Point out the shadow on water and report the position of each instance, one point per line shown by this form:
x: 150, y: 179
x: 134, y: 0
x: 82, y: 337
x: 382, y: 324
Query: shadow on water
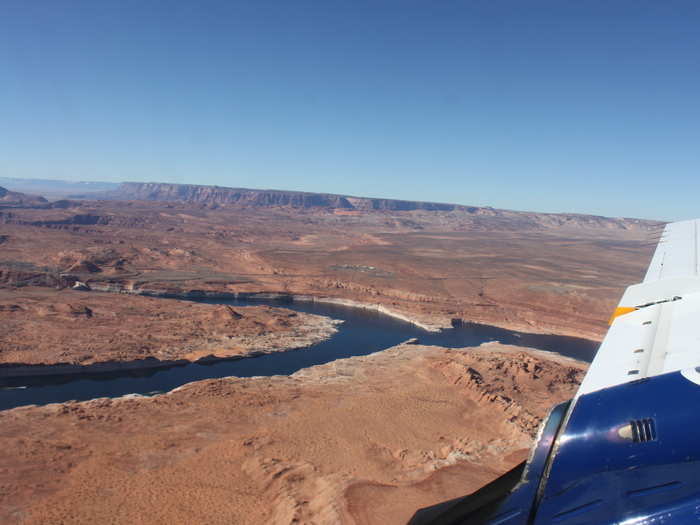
x: 362, y: 332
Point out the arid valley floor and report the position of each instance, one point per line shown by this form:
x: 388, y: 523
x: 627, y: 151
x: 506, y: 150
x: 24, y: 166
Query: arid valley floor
x: 362, y: 440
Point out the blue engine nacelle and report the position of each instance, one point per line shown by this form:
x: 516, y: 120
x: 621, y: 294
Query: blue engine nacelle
x: 628, y: 454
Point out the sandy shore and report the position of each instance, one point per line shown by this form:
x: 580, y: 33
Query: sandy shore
x: 434, y: 326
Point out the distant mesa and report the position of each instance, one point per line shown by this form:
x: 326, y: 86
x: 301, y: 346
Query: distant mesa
x: 217, y: 195
x: 14, y: 198
x: 474, y: 216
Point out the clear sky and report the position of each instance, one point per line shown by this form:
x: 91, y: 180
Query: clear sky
x: 564, y: 105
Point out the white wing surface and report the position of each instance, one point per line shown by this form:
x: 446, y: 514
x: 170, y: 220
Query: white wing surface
x: 677, y: 252
x: 656, y: 327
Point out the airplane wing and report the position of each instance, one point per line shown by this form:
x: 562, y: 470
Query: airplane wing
x: 626, y: 448
x: 655, y: 326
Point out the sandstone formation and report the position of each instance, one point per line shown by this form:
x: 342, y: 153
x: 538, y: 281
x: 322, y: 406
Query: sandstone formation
x: 84, y: 330
x: 365, y: 440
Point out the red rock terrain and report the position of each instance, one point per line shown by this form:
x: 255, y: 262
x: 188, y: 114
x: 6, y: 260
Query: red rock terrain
x: 365, y: 440
x: 50, y: 327
x: 533, y: 272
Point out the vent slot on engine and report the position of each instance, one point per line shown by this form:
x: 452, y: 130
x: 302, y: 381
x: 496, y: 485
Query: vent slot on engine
x: 639, y: 430
x: 643, y: 430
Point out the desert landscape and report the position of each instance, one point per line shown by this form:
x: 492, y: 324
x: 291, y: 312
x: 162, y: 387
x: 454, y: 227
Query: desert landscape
x: 560, y: 273
x: 345, y: 263
x: 99, y: 282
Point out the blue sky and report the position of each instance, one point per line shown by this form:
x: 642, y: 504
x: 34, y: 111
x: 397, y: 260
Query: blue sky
x: 584, y: 106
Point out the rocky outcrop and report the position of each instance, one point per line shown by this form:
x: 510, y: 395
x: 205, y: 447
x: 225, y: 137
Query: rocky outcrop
x: 499, y: 383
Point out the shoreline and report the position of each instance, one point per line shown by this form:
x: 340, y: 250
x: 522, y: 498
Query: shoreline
x: 270, y: 296
x: 105, y: 367
x: 316, y: 329
x: 442, y: 323
x: 309, y: 374
x: 13, y: 371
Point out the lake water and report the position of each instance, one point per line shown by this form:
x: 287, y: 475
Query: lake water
x: 363, y: 332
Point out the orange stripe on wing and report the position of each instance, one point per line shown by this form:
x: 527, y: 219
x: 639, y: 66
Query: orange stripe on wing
x: 620, y: 310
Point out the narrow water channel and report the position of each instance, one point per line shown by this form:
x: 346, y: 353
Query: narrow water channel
x: 362, y: 332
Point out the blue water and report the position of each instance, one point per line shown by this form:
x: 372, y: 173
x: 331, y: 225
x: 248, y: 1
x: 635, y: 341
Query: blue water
x: 362, y: 332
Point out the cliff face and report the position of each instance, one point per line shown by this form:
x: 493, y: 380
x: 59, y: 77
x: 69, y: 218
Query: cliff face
x: 473, y: 217
x: 250, y: 197
x: 218, y: 195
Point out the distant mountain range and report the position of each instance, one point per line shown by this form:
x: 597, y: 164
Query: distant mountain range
x: 244, y: 197
x: 217, y: 196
